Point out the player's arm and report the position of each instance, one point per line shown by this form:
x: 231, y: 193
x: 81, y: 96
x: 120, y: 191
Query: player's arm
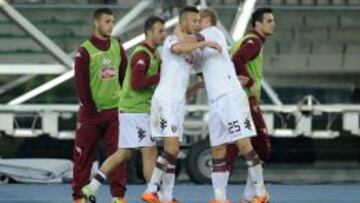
x: 188, y: 47
x: 124, y: 62
x: 247, y: 51
x: 139, y: 64
x: 82, y: 81
x: 192, y: 89
x: 208, y: 36
x: 191, y: 38
x: 183, y: 37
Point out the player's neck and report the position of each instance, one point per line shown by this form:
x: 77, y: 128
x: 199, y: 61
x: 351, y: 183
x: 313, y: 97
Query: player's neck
x: 262, y: 34
x: 185, y: 31
x: 151, y: 44
x: 101, y: 37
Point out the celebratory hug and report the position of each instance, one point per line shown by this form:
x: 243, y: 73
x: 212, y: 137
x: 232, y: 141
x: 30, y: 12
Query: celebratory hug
x: 138, y: 103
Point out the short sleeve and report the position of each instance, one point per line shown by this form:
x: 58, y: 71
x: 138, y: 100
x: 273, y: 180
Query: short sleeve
x: 207, y: 34
x: 210, y: 34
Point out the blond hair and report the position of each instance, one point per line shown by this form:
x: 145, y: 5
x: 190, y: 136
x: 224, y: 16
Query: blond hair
x: 211, y: 13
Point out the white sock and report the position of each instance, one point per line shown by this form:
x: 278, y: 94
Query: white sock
x: 249, y: 191
x: 219, y: 182
x: 227, y: 175
x: 94, y: 185
x: 256, y: 174
x: 96, y: 182
x: 168, y: 185
x: 157, y: 175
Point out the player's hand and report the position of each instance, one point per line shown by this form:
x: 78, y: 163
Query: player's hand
x: 254, y: 91
x: 213, y: 45
x: 190, y: 93
x: 194, y: 88
x: 243, y: 80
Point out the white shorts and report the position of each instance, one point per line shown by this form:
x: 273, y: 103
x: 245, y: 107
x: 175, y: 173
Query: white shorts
x: 134, y: 130
x: 167, y: 118
x: 230, y: 119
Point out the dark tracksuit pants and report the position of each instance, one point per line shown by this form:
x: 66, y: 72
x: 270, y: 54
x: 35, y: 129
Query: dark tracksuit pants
x: 90, y: 129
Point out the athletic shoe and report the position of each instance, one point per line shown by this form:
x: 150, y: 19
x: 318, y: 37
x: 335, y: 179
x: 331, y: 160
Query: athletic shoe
x: 119, y: 200
x: 245, y: 201
x: 262, y: 199
x: 88, y: 194
x: 81, y: 200
x: 150, y: 197
x: 173, y: 201
x: 217, y: 201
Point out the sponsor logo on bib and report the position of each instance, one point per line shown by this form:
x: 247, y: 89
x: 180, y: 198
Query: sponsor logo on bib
x: 107, y: 72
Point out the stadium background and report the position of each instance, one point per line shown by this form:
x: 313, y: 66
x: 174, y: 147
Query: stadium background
x: 314, y: 51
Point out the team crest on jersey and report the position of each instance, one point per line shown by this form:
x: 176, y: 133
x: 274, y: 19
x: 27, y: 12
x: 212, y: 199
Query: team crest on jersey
x: 107, y: 72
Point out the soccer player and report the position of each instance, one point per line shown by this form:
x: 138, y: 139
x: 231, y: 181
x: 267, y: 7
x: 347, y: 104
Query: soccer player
x: 248, y: 60
x: 141, y: 78
x: 230, y: 120
x: 168, y: 104
x: 99, y: 70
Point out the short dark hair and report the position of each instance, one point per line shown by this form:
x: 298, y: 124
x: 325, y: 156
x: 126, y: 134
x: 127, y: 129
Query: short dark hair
x: 98, y: 12
x: 188, y: 9
x: 151, y: 21
x: 258, y: 15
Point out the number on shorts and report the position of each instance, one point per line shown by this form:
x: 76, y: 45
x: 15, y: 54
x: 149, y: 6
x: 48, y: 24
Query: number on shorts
x: 234, y: 127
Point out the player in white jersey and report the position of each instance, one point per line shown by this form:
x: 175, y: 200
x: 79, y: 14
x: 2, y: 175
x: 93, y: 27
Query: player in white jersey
x: 168, y: 103
x: 230, y: 119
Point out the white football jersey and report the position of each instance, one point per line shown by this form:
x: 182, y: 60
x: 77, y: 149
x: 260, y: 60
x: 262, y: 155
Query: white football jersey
x: 218, y: 69
x: 174, y: 74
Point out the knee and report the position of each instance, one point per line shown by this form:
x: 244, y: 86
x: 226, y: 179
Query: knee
x: 174, y: 151
x: 244, y: 145
x: 150, y: 153
x: 218, y: 152
x: 172, y: 147
x: 122, y: 154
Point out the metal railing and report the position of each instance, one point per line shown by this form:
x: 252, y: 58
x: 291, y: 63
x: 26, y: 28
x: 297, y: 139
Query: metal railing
x: 304, y: 115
